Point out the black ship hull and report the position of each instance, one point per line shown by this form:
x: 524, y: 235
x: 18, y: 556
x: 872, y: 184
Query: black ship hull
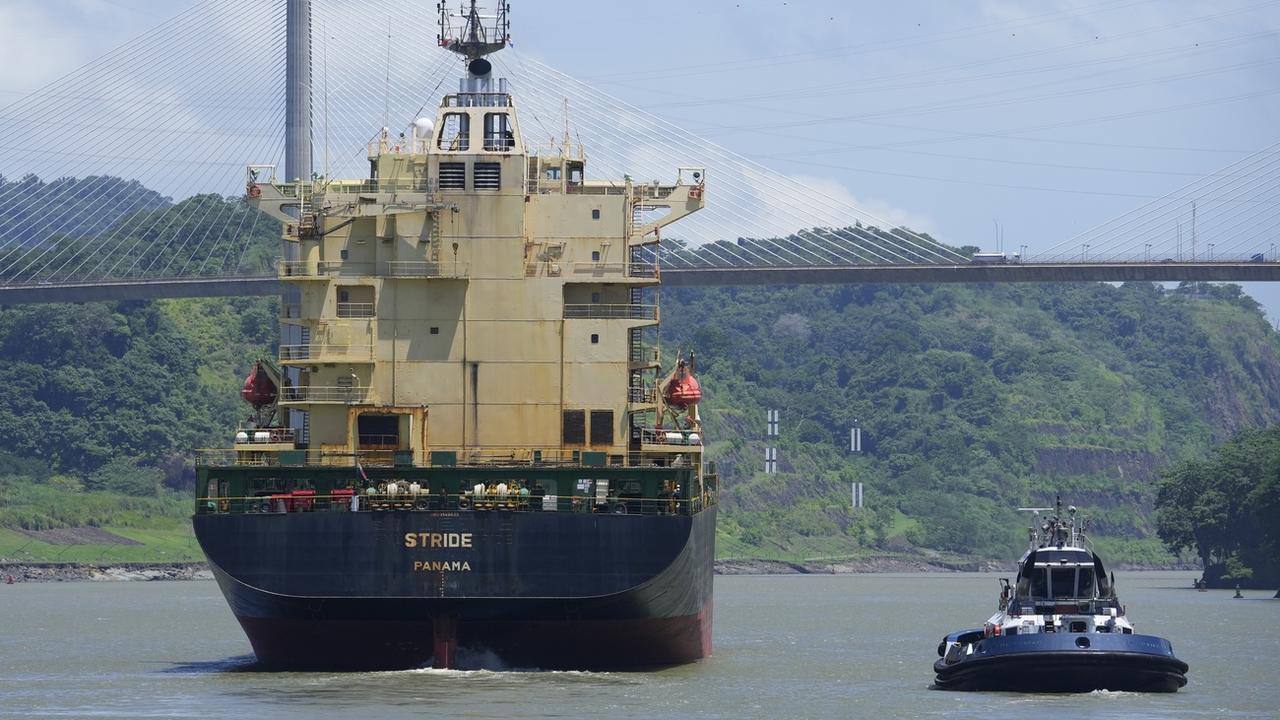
x: 390, y: 590
x: 1064, y: 663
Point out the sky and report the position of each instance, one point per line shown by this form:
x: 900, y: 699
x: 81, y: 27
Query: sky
x: 973, y: 120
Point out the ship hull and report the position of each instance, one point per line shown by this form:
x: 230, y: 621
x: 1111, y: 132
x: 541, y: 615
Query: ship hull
x: 380, y: 590
x: 1065, y: 662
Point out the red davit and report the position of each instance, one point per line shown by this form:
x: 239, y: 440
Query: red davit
x: 259, y: 390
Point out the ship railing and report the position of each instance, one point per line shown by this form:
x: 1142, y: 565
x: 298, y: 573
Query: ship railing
x: 343, y: 187
x: 470, y: 99
x: 267, y: 435
x: 655, y: 436
x: 595, y: 189
x: 603, y: 269
x: 642, y: 394
x: 355, y: 309
x: 379, y: 500
x: 375, y: 187
x: 423, y: 269
x: 326, y: 352
x: 321, y: 268
x: 652, y: 191
x: 644, y: 270
x: 598, y: 269
x: 611, y: 311
x: 248, y: 456
x: 324, y: 394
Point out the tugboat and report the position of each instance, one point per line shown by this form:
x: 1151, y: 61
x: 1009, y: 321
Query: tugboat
x: 476, y: 444
x: 1059, y: 628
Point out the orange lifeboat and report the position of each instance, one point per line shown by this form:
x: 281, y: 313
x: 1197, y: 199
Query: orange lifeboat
x: 683, y: 390
x: 259, y: 390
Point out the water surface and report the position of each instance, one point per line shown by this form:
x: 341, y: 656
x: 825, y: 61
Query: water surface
x: 858, y: 646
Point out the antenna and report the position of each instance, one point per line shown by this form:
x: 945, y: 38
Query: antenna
x: 467, y: 34
x: 566, y: 126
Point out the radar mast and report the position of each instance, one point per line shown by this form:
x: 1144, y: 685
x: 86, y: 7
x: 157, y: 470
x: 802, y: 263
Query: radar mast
x: 472, y: 34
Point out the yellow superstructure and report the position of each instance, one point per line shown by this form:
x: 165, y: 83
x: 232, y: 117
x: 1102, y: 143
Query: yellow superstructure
x: 476, y: 296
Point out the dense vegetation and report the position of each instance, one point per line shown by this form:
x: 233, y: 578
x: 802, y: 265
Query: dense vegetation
x: 107, y: 227
x: 1227, y: 509
x: 973, y: 400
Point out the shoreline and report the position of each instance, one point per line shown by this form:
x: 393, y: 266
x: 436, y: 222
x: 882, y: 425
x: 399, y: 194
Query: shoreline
x: 48, y: 572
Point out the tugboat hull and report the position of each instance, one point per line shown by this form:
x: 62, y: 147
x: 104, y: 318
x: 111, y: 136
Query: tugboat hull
x: 1063, y: 662
x: 341, y: 591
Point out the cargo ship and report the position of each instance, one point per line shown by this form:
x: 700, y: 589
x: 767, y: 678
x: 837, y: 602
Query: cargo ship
x: 476, y: 442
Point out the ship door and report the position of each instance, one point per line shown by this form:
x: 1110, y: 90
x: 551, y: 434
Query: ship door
x: 379, y: 436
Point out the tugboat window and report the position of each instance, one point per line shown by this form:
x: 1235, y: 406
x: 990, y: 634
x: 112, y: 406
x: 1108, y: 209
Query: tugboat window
x: 1039, y: 583
x: 1084, y: 584
x: 455, y: 132
x: 1064, y: 582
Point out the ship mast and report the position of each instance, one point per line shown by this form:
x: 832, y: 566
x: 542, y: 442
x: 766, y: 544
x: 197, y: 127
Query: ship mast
x: 466, y: 33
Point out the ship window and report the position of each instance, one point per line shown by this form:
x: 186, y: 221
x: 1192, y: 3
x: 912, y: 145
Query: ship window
x: 1039, y: 583
x: 455, y: 132
x: 601, y: 427
x: 1063, y: 582
x: 595, y: 214
x: 595, y: 339
x: 595, y: 254
x: 487, y: 176
x: 453, y: 176
x: 435, y: 331
x: 574, y: 427
x: 595, y: 297
x: 1084, y: 584
x: 497, y: 132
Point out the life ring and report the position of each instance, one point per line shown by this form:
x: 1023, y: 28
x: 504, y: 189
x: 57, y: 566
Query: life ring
x: 420, y: 505
x: 254, y: 191
x: 464, y: 503
x: 618, y: 509
x: 224, y: 505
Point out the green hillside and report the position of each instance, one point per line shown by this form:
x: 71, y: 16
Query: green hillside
x: 973, y: 400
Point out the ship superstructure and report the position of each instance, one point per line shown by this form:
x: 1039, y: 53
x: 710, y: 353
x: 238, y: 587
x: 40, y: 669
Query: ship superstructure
x: 487, y: 449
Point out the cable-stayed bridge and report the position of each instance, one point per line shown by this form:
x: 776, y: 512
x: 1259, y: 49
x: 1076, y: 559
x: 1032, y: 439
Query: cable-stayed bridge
x: 123, y: 179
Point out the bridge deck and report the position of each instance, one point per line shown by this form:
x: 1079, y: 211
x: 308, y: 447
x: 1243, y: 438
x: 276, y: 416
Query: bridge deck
x: 155, y: 288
